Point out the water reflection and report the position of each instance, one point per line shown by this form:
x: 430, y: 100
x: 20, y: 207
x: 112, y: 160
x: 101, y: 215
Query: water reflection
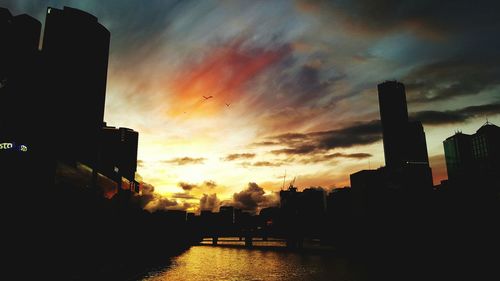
x: 220, y: 263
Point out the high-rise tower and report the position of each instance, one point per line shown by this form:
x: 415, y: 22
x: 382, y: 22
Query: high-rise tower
x: 394, y: 118
x: 75, y: 51
x: 404, y: 140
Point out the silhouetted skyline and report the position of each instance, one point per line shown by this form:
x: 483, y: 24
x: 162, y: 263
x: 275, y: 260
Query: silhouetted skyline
x: 286, y: 67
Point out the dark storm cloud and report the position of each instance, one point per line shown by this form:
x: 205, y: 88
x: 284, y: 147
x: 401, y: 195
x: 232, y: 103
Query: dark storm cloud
x: 361, y: 133
x: 328, y: 157
x: 186, y: 186
x: 238, y: 156
x: 424, y: 15
x: 185, y: 161
x: 299, y: 149
x: 430, y: 117
x: 253, y: 198
x: 454, y: 78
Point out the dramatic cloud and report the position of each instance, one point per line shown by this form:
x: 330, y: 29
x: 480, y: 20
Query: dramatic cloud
x: 362, y: 133
x: 186, y: 161
x: 186, y: 186
x: 223, y: 73
x: 190, y: 186
x: 209, y: 202
x: 253, y: 198
x: 239, y: 156
x: 457, y: 116
x: 328, y: 157
x: 450, y: 79
x: 425, y: 17
x: 149, y: 200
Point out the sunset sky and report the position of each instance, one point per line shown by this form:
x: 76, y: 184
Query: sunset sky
x: 300, y: 79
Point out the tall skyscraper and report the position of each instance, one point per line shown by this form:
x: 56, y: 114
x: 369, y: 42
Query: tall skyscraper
x: 405, y: 149
x: 394, y: 117
x: 404, y: 140
x: 18, y: 74
x: 75, y: 51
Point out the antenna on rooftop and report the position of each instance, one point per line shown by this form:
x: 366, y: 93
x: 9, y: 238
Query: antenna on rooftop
x: 284, y: 177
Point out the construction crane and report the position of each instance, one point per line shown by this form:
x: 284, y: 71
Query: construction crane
x: 291, y: 187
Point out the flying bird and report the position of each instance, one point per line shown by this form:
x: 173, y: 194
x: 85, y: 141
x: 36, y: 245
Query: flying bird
x: 206, y: 98
x: 228, y: 104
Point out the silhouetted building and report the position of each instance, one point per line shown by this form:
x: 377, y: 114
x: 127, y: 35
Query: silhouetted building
x: 404, y: 140
x: 416, y: 145
x: 289, y: 199
x: 366, y: 186
x: 486, y: 149
x: 474, y: 160
x: 21, y: 101
x: 75, y: 52
x: 118, y: 156
x: 18, y: 76
x: 303, y: 212
x: 394, y: 118
x: 176, y: 217
x: 458, y: 155
x: 405, y: 147
x: 226, y: 215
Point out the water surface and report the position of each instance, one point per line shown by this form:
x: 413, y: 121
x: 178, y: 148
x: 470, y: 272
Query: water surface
x: 231, y: 264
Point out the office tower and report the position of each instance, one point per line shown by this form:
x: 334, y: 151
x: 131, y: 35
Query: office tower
x: 404, y: 140
x: 18, y: 75
x: 458, y: 155
x: 118, y: 153
x: 474, y: 159
x: 394, y: 118
x: 486, y: 149
x: 75, y: 52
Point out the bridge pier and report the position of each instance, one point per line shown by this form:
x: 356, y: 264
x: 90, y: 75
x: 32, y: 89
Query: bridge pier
x: 248, y: 241
x: 214, y: 240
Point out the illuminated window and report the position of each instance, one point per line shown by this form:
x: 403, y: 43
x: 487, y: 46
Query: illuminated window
x: 48, y: 11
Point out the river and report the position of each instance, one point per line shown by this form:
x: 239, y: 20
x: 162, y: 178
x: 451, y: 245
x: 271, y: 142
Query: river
x: 233, y: 264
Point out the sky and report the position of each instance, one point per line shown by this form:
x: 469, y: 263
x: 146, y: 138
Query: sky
x: 293, y: 86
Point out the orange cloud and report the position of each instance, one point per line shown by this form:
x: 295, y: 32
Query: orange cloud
x: 222, y: 74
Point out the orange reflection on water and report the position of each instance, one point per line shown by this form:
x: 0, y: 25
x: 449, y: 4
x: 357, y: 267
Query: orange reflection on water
x: 221, y: 263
